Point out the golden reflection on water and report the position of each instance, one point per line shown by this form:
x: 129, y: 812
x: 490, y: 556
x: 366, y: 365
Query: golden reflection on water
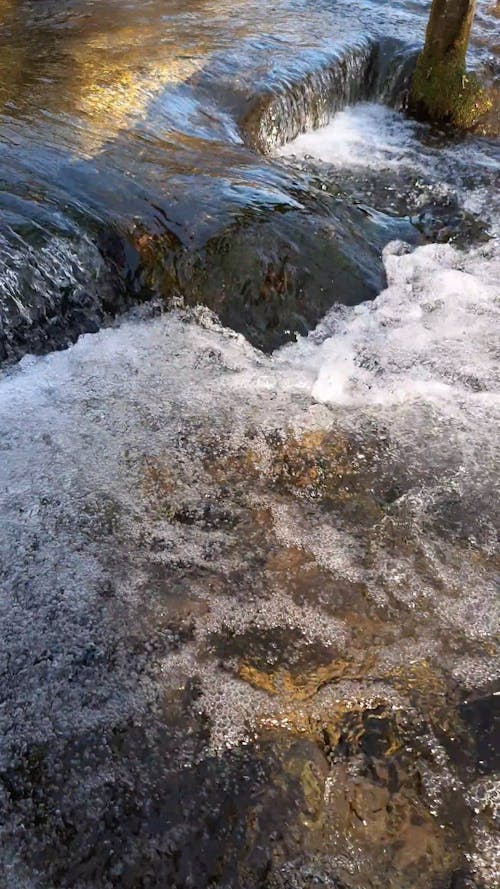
x: 96, y: 69
x: 91, y: 70
x: 112, y: 96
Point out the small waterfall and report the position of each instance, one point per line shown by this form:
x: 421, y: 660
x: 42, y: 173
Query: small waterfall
x: 309, y: 102
x: 394, y: 70
x: 368, y: 70
x: 58, y: 281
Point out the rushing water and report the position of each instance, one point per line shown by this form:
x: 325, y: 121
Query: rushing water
x: 127, y: 168
x: 248, y: 594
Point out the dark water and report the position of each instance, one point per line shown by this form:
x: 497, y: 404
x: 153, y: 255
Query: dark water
x: 248, y: 599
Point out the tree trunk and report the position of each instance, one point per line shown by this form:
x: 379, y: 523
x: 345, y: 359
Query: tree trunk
x: 449, y: 30
x: 442, y: 90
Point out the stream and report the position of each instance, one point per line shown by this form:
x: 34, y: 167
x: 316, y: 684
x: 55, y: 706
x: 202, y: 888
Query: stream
x: 249, y: 462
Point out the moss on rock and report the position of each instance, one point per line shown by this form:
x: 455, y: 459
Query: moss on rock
x: 444, y: 91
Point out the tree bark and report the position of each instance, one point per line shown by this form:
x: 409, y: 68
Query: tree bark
x: 449, y: 29
x: 442, y: 90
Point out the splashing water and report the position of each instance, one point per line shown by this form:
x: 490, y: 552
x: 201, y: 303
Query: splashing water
x: 168, y: 512
x: 249, y: 602
x: 430, y: 335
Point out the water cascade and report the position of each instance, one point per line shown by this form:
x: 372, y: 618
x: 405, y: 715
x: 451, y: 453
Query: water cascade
x: 249, y: 484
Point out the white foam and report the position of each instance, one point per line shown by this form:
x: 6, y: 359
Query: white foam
x: 369, y: 137
x: 364, y: 135
x: 431, y: 335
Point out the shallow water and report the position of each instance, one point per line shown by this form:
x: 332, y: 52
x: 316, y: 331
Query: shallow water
x: 249, y: 600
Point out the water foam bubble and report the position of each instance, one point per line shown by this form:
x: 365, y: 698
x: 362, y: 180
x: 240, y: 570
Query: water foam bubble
x: 410, y: 161
x: 362, y: 135
x: 430, y: 335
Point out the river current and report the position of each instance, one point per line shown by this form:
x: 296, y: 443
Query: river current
x: 249, y: 456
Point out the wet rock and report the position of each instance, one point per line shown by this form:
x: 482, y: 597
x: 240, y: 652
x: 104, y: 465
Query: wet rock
x: 157, y: 821
x: 263, y: 648
x: 423, y: 205
x: 295, y: 570
x: 327, y: 468
x: 376, y: 825
x: 274, y: 272
x: 164, y: 496
x: 55, y: 288
x: 481, y: 716
x: 356, y: 480
x: 390, y: 832
x: 280, y: 115
x: 293, y: 684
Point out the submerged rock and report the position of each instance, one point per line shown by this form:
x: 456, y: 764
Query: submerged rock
x: 273, y: 273
x: 375, y: 825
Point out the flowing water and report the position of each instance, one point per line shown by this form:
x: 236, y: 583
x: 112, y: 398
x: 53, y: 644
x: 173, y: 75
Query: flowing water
x: 248, y: 545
